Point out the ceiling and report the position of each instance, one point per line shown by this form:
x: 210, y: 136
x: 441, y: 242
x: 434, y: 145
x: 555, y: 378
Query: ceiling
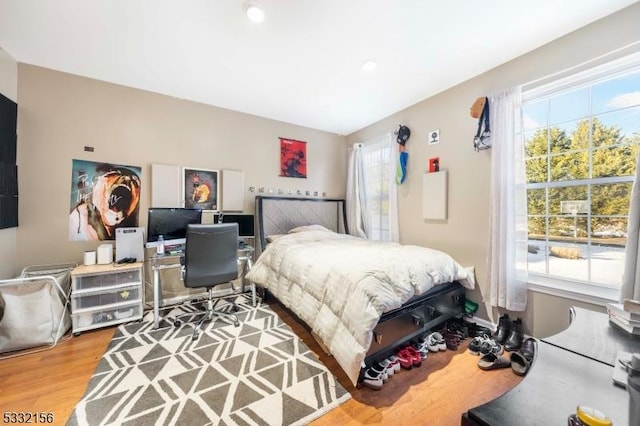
x: 303, y: 64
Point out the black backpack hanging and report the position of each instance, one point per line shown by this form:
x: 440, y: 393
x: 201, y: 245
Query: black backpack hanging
x: 482, y: 140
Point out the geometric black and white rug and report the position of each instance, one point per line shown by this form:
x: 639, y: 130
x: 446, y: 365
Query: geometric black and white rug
x: 259, y: 373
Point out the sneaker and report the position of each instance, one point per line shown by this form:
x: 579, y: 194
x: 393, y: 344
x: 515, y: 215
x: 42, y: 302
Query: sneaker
x: 415, y: 356
x: 405, y: 359
x: 432, y: 343
x: 380, y: 370
x: 420, y: 348
x: 476, y: 344
x: 442, y: 345
x: 389, y: 368
x: 490, y: 346
x: 372, y: 380
x: 395, y: 362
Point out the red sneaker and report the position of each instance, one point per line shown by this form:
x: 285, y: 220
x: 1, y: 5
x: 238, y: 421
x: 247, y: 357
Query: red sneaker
x: 405, y: 358
x: 415, y: 356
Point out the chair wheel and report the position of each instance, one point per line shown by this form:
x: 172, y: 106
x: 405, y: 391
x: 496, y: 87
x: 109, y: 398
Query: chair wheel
x: 236, y: 323
x: 235, y: 308
x: 177, y: 323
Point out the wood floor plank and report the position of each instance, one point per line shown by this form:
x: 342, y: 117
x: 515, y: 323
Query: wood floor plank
x: 445, y: 386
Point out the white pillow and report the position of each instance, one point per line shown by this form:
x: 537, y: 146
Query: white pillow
x: 309, y: 228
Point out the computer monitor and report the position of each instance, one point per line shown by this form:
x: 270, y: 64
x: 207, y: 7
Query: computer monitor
x: 244, y: 221
x: 171, y: 223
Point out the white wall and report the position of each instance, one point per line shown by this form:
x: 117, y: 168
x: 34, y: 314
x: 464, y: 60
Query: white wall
x: 9, y: 88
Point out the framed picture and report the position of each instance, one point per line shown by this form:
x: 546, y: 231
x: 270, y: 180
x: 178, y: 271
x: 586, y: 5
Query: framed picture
x: 104, y: 197
x: 293, y: 158
x: 200, y: 189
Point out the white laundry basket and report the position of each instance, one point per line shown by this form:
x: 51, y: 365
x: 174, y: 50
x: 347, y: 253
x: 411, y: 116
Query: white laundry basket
x: 34, y: 307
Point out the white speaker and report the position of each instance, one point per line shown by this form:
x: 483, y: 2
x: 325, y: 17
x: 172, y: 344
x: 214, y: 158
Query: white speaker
x: 130, y: 243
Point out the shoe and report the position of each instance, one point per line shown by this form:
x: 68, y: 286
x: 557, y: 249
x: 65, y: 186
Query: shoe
x: 452, y: 340
x: 504, y: 329
x: 421, y: 349
x: 432, y: 343
x: 415, y: 356
x: 379, y: 369
x: 519, y: 364
x: 476, y: 330
x: 516, y: 336
x: 372, y: 380
x: 493, y: 361
x: 528, y: 348
x: 442, y: 346
x: 394, y: 362
x: 405, y: 359
x: 490, y: 346
x: 476, y: 344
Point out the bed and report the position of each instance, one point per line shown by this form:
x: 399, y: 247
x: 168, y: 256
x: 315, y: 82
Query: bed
x: 361, y: 298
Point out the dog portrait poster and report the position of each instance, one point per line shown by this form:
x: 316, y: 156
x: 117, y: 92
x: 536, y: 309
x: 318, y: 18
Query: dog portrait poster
x: 293, y: 158
x: 103, y: 197
x: 200, y: 189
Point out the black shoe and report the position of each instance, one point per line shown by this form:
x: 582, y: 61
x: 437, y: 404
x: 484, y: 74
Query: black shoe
x: 516, y: 336
x: 504, y: 329
x: 528, y: 348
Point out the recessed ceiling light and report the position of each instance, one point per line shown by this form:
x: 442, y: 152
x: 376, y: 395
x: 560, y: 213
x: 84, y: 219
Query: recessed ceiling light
x: 369, y: 66
x: 254, y: 10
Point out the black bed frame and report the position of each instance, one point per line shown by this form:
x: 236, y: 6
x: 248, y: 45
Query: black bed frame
x: 396, y: 328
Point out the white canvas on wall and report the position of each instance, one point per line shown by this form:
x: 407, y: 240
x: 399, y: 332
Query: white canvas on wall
x: 232, y: 190
x: 434, y: 195
x: 165, y: 185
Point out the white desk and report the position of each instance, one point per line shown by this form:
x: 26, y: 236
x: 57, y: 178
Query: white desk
x: 245, y: 258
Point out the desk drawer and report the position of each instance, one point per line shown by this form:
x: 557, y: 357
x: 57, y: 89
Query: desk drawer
x: 106, y: 316
x: 93, y: 299
x: 81, y: 282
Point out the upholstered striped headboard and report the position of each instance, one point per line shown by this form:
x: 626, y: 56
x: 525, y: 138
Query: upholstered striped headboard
x: 278, y: 215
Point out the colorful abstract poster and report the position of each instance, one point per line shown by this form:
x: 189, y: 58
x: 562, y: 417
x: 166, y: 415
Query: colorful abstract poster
x: 293, y: 158
x: 200, y: 189
x: 103, y: 197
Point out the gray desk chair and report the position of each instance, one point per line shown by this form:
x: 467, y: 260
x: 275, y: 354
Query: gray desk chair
x: 210, y: 260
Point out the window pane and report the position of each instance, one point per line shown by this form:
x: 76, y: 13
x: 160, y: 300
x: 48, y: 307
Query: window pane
x: 611, y: 199
x: 615, y: 161
x: 620, y: 92
x: 535, y: 143
x: 609, y: 231
x: 536, y: 203
x: 536, y: 169
x: 537, y: 227
x: 570, y: 193
x: 569, y: 106
x: 534, y: 115
x: 617, y: 127
x: 567, y: 229
x: 571, y: 136
x: 572, y: 166
x: 537, y: 256
x: 568, y: 260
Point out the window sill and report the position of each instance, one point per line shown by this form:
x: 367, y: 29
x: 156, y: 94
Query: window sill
x: 583, y: 292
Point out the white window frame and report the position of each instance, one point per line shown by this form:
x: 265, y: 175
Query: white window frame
x: 585, y: 291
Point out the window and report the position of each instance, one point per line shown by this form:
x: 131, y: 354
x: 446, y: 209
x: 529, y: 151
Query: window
x: 377, y: 160
x: 581, y: 136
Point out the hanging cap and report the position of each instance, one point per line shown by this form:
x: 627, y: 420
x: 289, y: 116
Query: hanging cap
x: 403, y: 134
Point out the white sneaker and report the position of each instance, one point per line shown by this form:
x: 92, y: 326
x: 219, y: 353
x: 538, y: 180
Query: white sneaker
x: 395, y: 362
x: 442, y: 345
x: 372, y: 379
x: 432, y: 343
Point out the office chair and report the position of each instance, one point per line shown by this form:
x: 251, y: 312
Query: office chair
x: 210, y: 260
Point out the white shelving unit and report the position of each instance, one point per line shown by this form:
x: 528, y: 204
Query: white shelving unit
x: 104, y: 295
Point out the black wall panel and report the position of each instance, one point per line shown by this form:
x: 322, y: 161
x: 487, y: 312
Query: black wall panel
x: 8, y: 167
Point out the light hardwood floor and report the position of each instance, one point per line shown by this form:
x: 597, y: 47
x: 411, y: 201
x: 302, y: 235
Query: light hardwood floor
x: 446, y: 385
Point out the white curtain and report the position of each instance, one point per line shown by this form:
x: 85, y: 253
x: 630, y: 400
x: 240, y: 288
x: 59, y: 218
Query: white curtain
x: 631, y: 276
x: 372, y: 197
x: 508, y: 208
x: 356, y: 199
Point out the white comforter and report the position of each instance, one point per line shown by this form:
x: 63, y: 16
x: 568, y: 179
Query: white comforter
x: 340, y: 285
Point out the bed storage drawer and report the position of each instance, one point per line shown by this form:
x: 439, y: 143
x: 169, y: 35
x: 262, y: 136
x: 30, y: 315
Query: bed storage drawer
x: 415, y: 318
